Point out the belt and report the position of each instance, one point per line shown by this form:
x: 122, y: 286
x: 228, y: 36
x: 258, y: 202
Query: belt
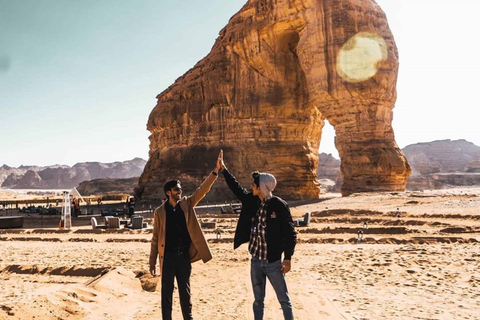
x: 177, y: 251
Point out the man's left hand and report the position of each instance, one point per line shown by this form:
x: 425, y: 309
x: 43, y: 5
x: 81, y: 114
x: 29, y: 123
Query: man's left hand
x: 286, y: 266
x: 220, y: 164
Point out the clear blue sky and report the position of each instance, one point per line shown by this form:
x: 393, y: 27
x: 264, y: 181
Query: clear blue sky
x: 78, y: 79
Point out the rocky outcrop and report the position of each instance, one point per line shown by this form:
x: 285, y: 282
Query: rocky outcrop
x: 435, y: 165
x: 442, y: 156
x: 443, y: 163
x: 328, y: 173
x: 29, y: 180
x: 275, y: 73
x: 10, y: 172
x: 474, y: 166
x: 442, y: 180
x: 12, y: 179
x: 61, y: 177
x: 105, y: 186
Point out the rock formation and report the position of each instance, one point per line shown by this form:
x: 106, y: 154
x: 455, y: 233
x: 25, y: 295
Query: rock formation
x: 106, y: 186
x: 442, y: 156
x: 328, y: 173
x: 275, y: 73
x: 438, y: 164
x: 61, y: 176
x: 443, y: 163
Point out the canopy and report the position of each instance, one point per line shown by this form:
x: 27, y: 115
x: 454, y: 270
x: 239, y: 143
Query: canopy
x: 74, y: 192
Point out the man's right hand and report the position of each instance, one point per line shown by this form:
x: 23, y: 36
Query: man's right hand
x: 152, y: 270
x: 221, y: 163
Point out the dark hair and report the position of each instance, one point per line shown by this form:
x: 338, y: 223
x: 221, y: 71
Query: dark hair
x: 169, y: 185
x: 256, y: 178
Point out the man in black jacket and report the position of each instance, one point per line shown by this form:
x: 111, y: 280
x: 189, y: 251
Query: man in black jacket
x: 266, y: 223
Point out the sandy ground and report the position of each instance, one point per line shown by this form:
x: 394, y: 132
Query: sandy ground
x: 418, y: 258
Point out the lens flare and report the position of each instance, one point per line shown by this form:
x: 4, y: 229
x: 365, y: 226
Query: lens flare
x: 359, y: 57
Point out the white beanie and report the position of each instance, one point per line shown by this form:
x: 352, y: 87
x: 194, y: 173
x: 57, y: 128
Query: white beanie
x: 267, y: 184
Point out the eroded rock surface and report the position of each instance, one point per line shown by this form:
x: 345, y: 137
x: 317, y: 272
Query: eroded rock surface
x: 275, y: 73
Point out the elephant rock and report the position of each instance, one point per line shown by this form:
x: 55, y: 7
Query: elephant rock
x: 275, y: 73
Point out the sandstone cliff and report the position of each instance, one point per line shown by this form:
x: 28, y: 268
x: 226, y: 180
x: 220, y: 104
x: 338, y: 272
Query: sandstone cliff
x: 275, y: 73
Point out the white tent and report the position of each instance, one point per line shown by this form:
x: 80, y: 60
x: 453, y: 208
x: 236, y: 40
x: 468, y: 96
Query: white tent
x: 66, y: 208
x: 66, y: 211
x: 74, y: 192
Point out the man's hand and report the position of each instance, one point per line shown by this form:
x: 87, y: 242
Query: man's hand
x: 220, y: 165
x: 286, y: 266
x: 152, y: 270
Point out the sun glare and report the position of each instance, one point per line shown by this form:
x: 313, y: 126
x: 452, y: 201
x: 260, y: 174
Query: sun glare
x: 358, y: 59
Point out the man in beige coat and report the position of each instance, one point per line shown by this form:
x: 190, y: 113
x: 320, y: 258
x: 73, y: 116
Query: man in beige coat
x: 178, y: 241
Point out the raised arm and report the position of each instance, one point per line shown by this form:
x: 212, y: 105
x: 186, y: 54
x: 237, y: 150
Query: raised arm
x: 204, y: 188
x: 237, y: 189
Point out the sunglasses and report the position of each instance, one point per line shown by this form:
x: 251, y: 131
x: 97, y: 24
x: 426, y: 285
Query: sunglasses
x: 177, y: 189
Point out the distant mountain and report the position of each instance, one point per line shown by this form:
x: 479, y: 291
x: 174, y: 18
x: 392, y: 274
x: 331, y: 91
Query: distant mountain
x: 442, y: 156
x: 435, y: 165
x: 443, y: 163
x: 61, y: 176
x: 12, y: 173
x: 328, y: 173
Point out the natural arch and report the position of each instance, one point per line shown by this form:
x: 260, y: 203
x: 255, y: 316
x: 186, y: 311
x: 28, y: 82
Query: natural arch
x: 275, y: 73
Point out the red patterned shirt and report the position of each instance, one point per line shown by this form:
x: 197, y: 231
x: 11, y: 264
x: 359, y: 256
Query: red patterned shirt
x: 258, y: 241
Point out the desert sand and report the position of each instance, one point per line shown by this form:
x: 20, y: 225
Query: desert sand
x: 418, y: 258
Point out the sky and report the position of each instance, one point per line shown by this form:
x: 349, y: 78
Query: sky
x: 78, y: 79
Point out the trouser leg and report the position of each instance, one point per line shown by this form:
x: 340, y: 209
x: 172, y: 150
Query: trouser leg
x: 168, y: 274
x: 258, y: 284
x: 184, y: 270
x: 277, y: 279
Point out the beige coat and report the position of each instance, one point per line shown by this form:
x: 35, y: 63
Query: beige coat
x: 199, y: 248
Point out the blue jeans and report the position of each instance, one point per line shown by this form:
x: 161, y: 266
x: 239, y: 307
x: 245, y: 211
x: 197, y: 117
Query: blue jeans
x: 259, y: 271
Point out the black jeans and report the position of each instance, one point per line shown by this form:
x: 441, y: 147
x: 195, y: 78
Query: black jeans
x: 176, y: 266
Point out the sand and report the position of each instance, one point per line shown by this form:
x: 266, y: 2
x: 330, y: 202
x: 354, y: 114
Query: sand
x: 418, y: 258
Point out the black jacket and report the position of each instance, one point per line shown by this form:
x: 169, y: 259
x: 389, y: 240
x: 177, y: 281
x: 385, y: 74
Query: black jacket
x: 280, y: 233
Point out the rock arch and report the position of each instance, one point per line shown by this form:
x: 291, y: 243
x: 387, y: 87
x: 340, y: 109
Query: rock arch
x: 275, y: 73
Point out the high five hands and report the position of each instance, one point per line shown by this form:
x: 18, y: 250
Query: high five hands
x: 220, y: 165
